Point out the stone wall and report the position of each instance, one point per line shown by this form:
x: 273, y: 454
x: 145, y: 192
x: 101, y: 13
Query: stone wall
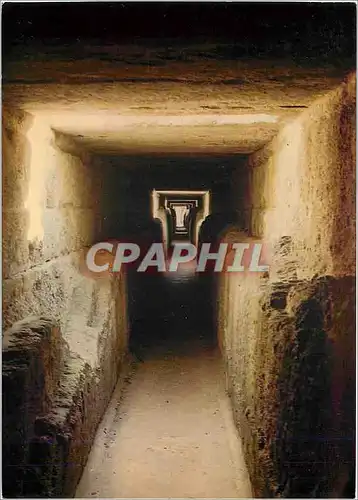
x: 49, y: 206
x: 302, y: 185
x: 288, y: 336
x: 66, y: 334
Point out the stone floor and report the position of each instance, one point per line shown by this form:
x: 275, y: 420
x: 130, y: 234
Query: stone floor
x: 169, y: 431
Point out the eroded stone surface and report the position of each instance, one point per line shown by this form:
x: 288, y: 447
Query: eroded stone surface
x: 302, y: 186
x: 288, y: 336
x: 53, y: 402
x: 60, y: 367
x: 289, y: 386
x: 95, y: 96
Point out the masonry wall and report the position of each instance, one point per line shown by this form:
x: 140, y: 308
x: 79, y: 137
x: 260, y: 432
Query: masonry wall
x: 288, y: 336
x: 66, y: 334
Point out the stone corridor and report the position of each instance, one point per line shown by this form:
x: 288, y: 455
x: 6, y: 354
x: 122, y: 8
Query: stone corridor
x: 239, y: 121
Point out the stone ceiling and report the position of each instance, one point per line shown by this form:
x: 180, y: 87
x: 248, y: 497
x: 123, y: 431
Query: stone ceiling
x: 150, y: 98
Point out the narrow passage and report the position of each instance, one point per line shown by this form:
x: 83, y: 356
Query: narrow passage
x: 169, y: 431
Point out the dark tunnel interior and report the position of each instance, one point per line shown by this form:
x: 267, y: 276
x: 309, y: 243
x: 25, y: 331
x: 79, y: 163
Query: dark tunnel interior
x: 179, y: 250
x: 166, y: 312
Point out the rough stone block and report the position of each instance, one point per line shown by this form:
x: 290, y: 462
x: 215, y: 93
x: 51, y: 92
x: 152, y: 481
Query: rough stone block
x: 36, y: 339
x: 32, y: 359
x: 15, y: 244
x: 288, y: 346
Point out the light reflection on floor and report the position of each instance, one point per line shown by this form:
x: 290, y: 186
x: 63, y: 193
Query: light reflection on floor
x: 186, y: 270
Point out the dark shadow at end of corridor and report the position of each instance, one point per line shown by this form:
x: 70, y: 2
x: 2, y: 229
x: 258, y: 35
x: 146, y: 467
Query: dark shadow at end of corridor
x: 170, y: 314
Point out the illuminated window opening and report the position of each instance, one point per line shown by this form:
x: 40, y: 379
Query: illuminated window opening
x: 165, y: 201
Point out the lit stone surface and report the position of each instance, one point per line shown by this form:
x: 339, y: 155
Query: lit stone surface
x: 276, y: 141
x: 288, y: 336
x: 89, y: 96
